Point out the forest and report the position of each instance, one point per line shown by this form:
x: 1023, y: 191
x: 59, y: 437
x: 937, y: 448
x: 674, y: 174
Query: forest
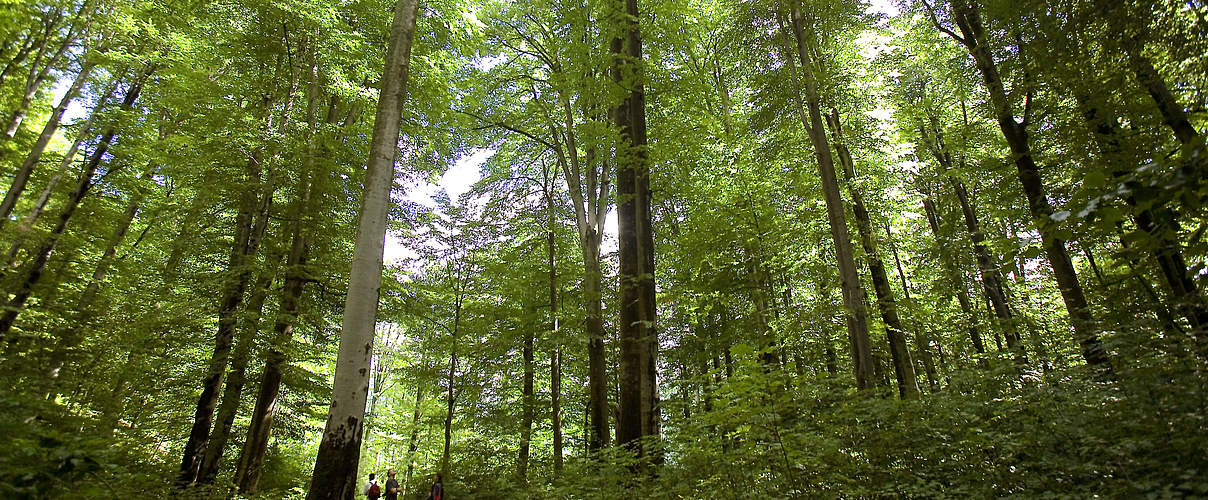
x: 604, y: 249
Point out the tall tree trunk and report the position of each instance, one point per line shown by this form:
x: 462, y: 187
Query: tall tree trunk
x: 414, y: 441
x: 335, y: 473
x: 40, y: 73
x: 921, y: 340
x: 992, y: 282
x: 83, y: 185
x: 48, y: 131
x: 639, y: 339
x: 853, y: 292
x: 64, y: 167
x: 968, y: 20
x: 526, y: 427
x: 1133, y: 45
x: 249, y: 230
x: 903, y: 366
x: 1157, y: 222
x: 555, y: 358
x: 251, y: 456
x: 237, y: 376
x: 451, y: 394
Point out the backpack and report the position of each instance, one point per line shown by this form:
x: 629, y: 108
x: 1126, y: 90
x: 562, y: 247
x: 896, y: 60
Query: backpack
x: 375, y: 491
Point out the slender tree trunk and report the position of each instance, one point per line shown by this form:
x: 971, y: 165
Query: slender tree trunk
x: 237, y: 376
x: 251, y: 456
x: 853, y: 293
x: 414, y: 444
x: 526, y: 429
x: 335, y: 473
x: 555, y: 358
x: 19, y: 57
x: 1133, y: 44
x: 249, y: 230
x: 48, y: 131
x: 83, y: 185
x: 903, y: 366
x: 39, y: 74
x: 968, y: 20
x: 1157, y: 222
x: 921, y: 340
x: 71, y: 337
x: 598, y: 435
x: 450, y: 395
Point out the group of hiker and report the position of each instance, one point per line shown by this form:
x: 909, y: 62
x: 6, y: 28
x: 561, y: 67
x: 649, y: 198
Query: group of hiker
x: 389, y: 491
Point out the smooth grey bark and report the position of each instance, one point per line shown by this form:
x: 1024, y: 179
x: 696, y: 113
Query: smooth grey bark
x: 335, y: 472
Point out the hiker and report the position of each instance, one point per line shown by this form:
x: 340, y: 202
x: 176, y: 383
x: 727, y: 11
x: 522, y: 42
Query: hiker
x: 438, y: 489
x: 392, y: 486
x: 373, y: 490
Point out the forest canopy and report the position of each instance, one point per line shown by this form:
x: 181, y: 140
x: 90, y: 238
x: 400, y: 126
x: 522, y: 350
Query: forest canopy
x: 604, y: 249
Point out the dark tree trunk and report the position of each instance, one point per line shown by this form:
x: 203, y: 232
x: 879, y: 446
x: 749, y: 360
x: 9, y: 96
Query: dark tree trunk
x: 83, y: 185
x: 639, y: 338
x: 921, y: 340
x: 968, y: 20
x: 555, y: 358
x: 237, y: 376
x: 249, y: 230
x: 903, y: 366
x: 526, y: 427
x: 1157, y: 222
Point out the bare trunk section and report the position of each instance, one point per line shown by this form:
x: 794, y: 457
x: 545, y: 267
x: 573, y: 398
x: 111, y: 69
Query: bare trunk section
x: 83, y: 184
x: 968, y: 20
x: 903, y: 366
x: 48, y: 131
x: 590, y: 206
x: 992, y: 283
x: 250, y: 226
x: 237, y: 376
x: 555, y: 358
x: 638, y: 397
x: 921, y: 340
x: 856, y: 314
x: 335, y: 472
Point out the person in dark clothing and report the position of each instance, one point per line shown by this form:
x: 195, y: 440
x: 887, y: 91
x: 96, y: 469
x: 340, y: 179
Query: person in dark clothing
x: 392, y: 486
x: 438, y: 489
